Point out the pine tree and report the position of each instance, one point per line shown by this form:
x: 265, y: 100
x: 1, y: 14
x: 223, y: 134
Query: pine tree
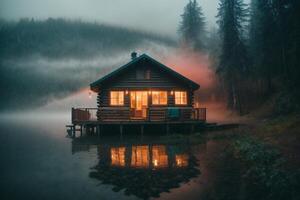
x: 192, y: 27
x: 265, y: 41
x: 234, y: 62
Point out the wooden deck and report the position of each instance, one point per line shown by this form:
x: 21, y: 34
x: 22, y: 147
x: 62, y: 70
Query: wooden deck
x: 91, y: 121
x: 123, y: 115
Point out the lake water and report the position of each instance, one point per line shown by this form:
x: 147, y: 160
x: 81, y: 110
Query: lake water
x: 38, y: 161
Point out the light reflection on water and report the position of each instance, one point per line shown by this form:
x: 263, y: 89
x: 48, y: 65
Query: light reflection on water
x: 39, y: 162
x: 140, y: 168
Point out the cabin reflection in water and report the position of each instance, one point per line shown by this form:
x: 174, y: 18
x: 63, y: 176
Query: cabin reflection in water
x: 159, y: 156
x: 144, y: 170
x: 143, y: 156
x: 140, y: 156
x: 181, y: 160
x: 117, y: 156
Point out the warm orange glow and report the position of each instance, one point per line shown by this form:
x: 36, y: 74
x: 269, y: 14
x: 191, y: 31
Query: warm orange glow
x: 172, y: 92
x: 126, y: 92
x: 139, y: 102
x: 118, y: 156
x: 116, y: 98
x: 193, y: 65
x: 159, y: 156
x: 159, y: 97
x: 140, y: 156
x: 181, y: 160
x: 180, y: 97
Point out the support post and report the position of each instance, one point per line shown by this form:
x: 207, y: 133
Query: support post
x: 142, y: 130
x: 80, y: 130
x: 192, y: 128
x: 74, y: 131
x: 98, y: 130
x: 87, y: 129
x: 121, y: 131
x: 167, y: 129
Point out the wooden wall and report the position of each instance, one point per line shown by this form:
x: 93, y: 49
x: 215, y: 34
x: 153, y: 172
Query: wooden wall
x: 158, y: 80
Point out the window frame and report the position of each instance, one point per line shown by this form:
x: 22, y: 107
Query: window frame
x: 159, y: 104
x: 181, y: 98
x: 117, y: 99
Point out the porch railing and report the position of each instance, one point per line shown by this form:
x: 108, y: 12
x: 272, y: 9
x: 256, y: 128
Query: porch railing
x: 84, y: 114
x: 124, y: 114
x: 199, y: 114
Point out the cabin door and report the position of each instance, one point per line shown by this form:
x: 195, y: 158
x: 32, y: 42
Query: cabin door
x: 139, y: 104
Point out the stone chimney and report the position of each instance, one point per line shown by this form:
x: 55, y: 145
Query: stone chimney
x: 133, y: 55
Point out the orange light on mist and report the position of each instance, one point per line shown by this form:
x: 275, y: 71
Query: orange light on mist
x: 195, y: 66
x: 172, y: 92
x: 126, y: 92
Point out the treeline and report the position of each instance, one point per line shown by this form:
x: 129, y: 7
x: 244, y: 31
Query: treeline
x: 44, y: 60
x: 256, y: 50
x: 260, y: 58
x: 61, y: 38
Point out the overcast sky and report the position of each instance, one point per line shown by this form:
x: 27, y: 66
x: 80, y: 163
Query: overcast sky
x: 160, y: 16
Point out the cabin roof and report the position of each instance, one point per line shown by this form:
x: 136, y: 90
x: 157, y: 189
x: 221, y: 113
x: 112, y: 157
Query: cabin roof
x: 98, y: 83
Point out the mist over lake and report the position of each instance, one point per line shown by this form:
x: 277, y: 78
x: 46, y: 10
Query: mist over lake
x: 45, y: 60
x: 140, y: 99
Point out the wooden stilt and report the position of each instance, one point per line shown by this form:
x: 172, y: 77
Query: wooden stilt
x: 87, y: 130
x: 192, y: 128
x: 74, y: 131
x: 142, y: 130
x: 98, y: 130
x: 80, y: 130
x: 167, y: 129
x: 121, y: 131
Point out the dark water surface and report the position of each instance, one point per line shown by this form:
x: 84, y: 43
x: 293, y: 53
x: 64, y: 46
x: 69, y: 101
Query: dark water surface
x: 38, y: 161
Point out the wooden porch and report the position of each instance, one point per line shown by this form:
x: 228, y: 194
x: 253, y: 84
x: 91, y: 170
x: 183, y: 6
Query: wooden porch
x: 155, y: 115
x: 91, y: 119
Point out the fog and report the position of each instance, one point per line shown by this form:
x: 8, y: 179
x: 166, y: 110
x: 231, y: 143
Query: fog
x: 47, y: 63
x: 42, y: 61
x: 159, y: 16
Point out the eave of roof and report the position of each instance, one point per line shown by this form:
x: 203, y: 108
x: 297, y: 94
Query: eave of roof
x: 191, y: 83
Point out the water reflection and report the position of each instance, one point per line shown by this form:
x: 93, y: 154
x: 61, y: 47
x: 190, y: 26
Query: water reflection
x: 117, y: 156
x: 144, y: 170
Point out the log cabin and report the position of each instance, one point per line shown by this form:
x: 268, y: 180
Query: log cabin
x: 143, y: 91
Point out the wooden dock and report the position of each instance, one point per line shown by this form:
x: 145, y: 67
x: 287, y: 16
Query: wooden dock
x: 95, y: 127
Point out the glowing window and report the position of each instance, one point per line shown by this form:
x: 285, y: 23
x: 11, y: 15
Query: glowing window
x: 117, y: 98
x: 159, y: 97
x: 180, y: 98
